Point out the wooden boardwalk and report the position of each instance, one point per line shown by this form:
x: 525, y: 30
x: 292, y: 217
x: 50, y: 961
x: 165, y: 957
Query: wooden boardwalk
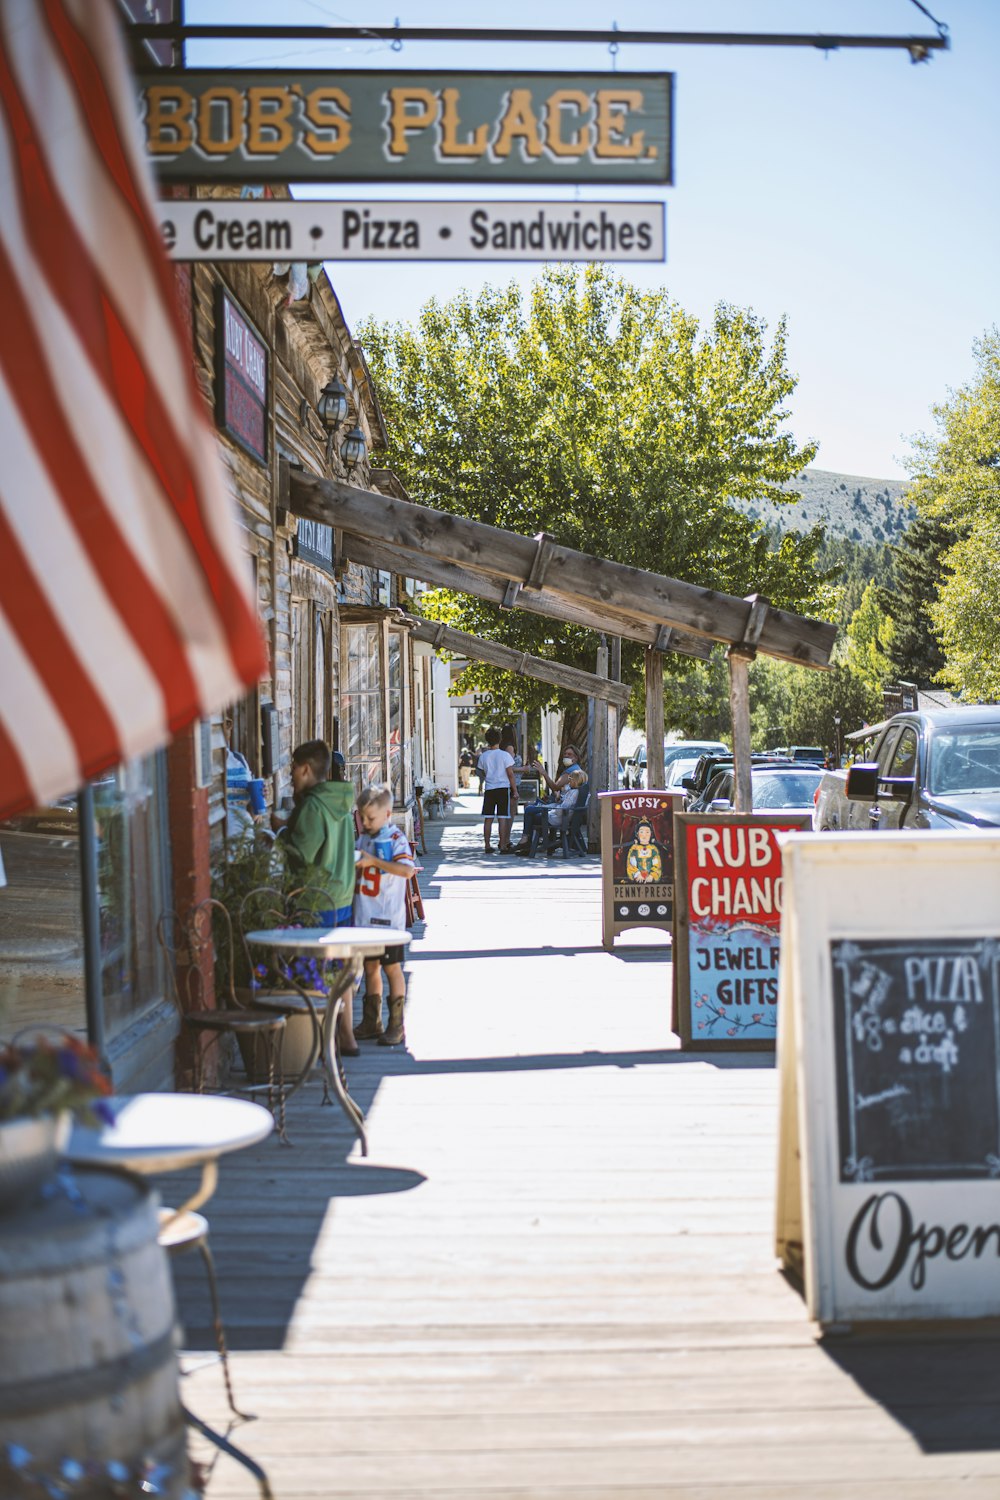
x: 553, y: 1277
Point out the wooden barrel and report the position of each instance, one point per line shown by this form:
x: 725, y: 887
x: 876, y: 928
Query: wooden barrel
x: 88, y: 1368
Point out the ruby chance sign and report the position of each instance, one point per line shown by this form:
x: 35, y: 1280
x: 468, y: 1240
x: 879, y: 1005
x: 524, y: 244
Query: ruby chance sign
x: 727, y: 932
x: 203, y: 125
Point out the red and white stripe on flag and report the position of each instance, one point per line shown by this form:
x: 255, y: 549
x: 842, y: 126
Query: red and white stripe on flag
x: 125, y: 604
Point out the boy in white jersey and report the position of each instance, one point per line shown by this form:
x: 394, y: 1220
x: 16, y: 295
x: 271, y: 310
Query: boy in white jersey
x: 384, y: 864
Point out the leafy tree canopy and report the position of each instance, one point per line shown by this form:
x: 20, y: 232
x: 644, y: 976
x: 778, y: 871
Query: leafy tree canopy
x: 608, y: 417
x: 956, y: 474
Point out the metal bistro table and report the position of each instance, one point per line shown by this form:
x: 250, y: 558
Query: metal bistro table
x: 352, y: 945
x: 169, y: 1132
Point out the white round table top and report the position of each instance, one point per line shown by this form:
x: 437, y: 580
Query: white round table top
x: 167, y: 1132
x: 332, y: 942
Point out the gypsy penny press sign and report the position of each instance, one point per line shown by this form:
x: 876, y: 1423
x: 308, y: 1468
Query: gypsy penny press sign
x: 889, y: 1054
x: 637, y: 861
x: 727, y: 933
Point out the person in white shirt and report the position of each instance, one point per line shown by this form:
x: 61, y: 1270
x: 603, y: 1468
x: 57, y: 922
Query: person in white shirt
x: 499, y: 792
x: 384, y: 863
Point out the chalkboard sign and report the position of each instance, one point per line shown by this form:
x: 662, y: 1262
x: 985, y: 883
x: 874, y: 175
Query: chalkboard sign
x: 917, y: 1045
x: 888, y: 1202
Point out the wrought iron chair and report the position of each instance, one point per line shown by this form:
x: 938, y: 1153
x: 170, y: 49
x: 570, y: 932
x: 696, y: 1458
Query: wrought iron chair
x: 280, y: 988
x: 184, y: 944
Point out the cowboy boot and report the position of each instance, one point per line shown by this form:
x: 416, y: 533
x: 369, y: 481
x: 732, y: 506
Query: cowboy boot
x: 371, y: 1020
x: 394, y: 1034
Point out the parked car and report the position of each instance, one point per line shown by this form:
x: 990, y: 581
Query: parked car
x: 708, y: 765
x: 635, y: 766
x: 939, y: 769
x: 775, y: 788
x: 677, y: 770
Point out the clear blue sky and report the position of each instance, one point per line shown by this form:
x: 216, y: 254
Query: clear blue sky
x: 858, y: 194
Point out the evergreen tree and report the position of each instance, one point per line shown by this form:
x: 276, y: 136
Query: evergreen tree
x: 920, y: 570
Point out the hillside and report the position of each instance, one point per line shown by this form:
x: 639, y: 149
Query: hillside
x: 866, y: 510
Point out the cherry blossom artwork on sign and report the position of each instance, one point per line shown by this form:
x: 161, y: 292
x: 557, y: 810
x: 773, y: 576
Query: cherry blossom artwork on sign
x: 727, y: 944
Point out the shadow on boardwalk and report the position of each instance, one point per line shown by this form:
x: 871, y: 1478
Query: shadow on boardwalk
x: 555, y: 1276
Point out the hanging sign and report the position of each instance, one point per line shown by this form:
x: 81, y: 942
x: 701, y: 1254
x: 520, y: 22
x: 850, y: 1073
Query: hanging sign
x: 323, y: 229
x: 637, y: 860
x: 889, y: 1055
x: 205, y: 125
x: 727, y: 929
x: 240, y: 377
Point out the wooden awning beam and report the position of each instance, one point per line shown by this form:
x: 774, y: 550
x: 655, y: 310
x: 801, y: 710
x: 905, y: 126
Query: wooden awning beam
x: 376, y: 554
x: 594, y: 581
x: 459, y: 643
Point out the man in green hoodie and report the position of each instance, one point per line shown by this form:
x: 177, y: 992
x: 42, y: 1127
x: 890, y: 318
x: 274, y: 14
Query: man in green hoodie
x: 320, y: 832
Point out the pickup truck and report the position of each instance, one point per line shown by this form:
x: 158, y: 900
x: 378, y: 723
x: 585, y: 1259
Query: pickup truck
x: 939, y: 769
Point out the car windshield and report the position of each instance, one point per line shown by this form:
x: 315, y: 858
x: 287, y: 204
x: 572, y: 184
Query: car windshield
x: 965, y: 760
x: 791, y: 789
x: 677, y: 769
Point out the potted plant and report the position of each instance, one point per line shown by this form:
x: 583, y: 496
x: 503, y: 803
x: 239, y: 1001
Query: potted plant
x: 44, y: 1083
x: 436, y: 802
x: 258, y: 889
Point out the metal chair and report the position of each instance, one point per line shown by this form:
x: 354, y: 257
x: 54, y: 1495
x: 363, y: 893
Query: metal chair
x: 181, y: 1230
x: 186, y: 942
x: 279, y: 990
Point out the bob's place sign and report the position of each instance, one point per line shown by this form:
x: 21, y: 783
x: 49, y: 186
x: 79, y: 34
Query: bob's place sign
x: 207, y: 126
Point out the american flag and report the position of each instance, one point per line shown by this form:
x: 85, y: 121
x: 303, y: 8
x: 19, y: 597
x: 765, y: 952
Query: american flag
x: 125, y: 606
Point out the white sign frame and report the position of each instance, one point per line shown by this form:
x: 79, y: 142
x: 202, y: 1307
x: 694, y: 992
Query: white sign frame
x: 887, y: 886
x: 339, y: 229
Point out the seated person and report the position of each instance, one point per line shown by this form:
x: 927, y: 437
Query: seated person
x: 552, y: 813
x: 535, y: 811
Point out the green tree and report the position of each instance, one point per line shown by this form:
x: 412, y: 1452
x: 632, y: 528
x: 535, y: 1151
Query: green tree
x: 956, y: 480
x: 919, y: 573
x: 870, y: 637
x: 790, y: 705
x: 608, y: 417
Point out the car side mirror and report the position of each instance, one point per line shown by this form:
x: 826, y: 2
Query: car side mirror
x: 897, y: 788
x: 689, y: 784
x: 862, y: 783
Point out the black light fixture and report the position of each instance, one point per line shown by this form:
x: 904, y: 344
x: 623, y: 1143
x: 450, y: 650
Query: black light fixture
x: 333, y: 405
x: 354, y: 447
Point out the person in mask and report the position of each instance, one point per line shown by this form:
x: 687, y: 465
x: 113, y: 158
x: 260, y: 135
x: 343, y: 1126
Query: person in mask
x: 537, y: 812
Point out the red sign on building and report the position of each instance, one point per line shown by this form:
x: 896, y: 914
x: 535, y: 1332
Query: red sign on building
x: 240, y: 378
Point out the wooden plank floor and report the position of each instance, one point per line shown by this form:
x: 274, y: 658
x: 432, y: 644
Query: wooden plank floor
x: 553, y: 1277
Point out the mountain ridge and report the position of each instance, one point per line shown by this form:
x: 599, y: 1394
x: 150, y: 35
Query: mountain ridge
x: 865, y: 509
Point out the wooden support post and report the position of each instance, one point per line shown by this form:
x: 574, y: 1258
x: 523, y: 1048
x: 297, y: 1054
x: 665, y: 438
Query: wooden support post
x: 654, y: 718
x: 614, y: 716
x: 739, y: 707
x: 599, y: 778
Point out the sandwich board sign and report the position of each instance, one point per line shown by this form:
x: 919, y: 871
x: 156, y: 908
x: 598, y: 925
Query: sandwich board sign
x: 727, y: 927
x: 888, y: 1201
x: 637, y: 861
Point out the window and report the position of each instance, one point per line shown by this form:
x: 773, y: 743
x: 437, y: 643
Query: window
x: 904, y: 760
x: 361, y: 703
x: 132, y: 888
x: 321, y: 690
x: 396, y: 733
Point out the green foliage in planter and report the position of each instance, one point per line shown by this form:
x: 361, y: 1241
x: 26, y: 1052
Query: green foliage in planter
x: 259, y: 864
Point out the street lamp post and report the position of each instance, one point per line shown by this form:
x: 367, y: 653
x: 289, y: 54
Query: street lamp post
x: 836, y: 731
